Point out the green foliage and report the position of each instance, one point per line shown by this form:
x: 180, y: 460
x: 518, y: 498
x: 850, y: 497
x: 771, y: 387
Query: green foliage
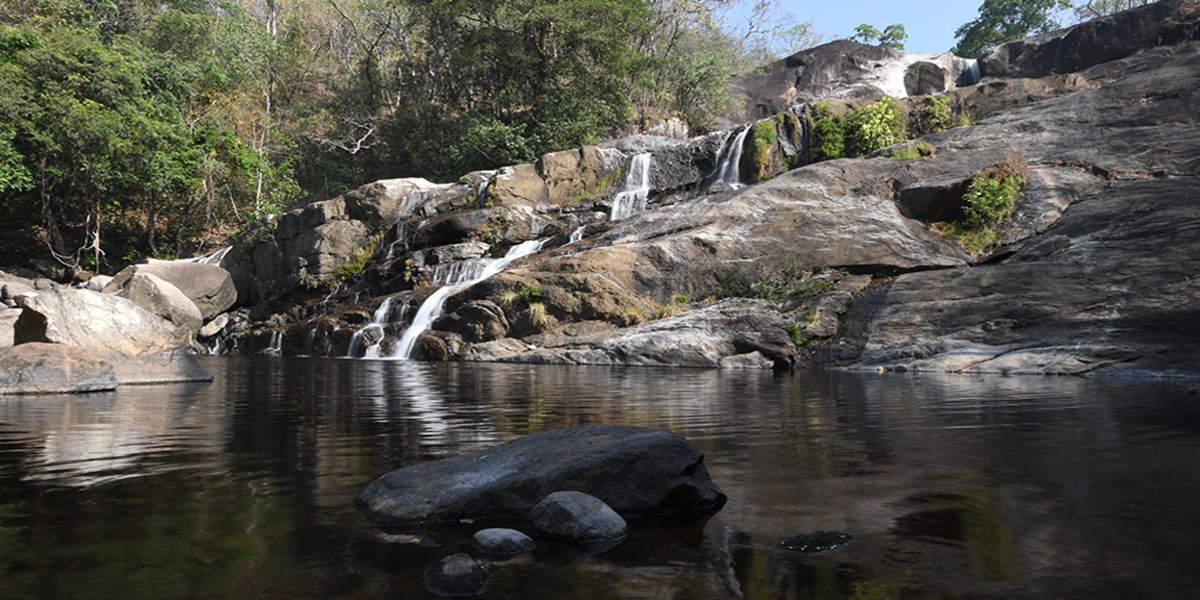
x: 796, y: 333
x: 828, y: 133
x: 990, y: 199
x: 1091, y: 9
x: 528, y: 293
x: 357, y: 261
x: 756, y: 164
x: 874, y: 127
x: 1001, y: 21
x: 917, y: 150
x: 935, y: 115
x: 892, y: 36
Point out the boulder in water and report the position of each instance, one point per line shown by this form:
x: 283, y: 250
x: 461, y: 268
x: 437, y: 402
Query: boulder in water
x: 141, y: 346
x: 577, y: 517
x: 501, y: 542
x: 638, y: 472
x: 40, y: 368
x: 457, y: 576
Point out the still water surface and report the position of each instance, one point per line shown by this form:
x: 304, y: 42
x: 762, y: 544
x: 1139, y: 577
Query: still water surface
x: 952, y: 486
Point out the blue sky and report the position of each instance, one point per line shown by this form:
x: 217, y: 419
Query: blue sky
x: 930, y: 23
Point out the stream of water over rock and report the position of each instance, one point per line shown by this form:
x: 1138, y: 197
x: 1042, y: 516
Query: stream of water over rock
x: 951, y: 486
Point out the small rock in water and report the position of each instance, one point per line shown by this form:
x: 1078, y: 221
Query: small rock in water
x: 577, y: 517
x: 500, y: 542
x: 457, y: 576
x: 817, y: 541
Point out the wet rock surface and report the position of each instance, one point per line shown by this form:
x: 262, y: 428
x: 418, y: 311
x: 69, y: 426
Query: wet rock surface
x: 638, y: 472
x: 501, y: 542
x: 817, y: 541
x: 577, y: 517
x: 457, y: 576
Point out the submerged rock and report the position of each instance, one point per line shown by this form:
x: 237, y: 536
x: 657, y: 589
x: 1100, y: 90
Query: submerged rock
x: 638, y: 472
x: 817, y: 541
x: 457, y: 576
x: 39, y: 368
x: 501, y: 542
x: 577, y: 517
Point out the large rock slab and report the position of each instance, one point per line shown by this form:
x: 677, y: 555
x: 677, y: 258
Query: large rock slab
x: 165, y: 300
x: 142, y: 347
x: 1109, y: 289
x: 39, y: 368
x: 209, y: 287
x: 8, y: 321
x: 1098, y: 41
x: 734, y: 333
x: 638, y: 472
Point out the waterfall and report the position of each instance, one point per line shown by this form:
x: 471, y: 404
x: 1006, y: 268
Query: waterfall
x: 632, y: 200
x: 730, y: 157
x: 378, y: 320
x: 276, y: 346
x: 973, y: 73
x: 577, y: 235
x: 431, y: 309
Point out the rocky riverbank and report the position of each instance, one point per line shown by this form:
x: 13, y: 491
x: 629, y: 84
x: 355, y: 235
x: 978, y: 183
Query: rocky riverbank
x: 748, y: 248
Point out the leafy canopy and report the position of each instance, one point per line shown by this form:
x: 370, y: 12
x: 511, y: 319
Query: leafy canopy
x: 1001, y: 21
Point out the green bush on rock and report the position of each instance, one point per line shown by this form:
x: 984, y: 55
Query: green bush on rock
x: 874, y: 127
x: 828, y: 133
x: 989, y: 201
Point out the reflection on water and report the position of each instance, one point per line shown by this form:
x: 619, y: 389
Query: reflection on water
x: 956, y: 486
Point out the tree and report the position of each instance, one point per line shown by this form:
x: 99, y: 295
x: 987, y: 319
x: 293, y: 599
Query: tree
x: 1001, y: 21
x: 892, y: 36
x: 1098, y: 8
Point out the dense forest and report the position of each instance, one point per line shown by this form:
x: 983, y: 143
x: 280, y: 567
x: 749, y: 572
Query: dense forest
x: 152, y: 127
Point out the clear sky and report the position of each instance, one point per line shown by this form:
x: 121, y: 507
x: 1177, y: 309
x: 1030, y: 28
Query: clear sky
x: 930, y: 23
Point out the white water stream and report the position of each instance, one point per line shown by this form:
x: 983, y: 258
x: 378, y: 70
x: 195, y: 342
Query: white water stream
x: 729, y: 170
x: 632, y: 200
x: 431, y: 309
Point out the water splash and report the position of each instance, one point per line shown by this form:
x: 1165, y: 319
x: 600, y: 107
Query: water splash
x: 276, y: 345
x: 577, y: 235
x: 632, y: 200
x: 729, y: 170
x: 431, y: 309
x: 379, y: 318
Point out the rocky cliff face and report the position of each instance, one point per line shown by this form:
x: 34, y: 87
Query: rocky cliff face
x: 845, y: 262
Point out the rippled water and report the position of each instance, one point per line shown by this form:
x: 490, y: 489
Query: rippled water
x: 954, y: 486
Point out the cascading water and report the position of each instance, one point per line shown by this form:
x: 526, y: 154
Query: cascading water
x: 577, y: 235
x: 276, y: 346
x: 729, y: 170
x: 431, y: 309
x: 380, y: 318
x: 632, y: 200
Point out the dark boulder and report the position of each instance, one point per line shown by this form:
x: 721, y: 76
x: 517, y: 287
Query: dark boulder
x: 838, y: 67
x: 638, y: 472
x: 1101, y: 40
x: 924, y: 77
x: 501, y: 542
x: 577, y: 517
x: 457, y: 576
